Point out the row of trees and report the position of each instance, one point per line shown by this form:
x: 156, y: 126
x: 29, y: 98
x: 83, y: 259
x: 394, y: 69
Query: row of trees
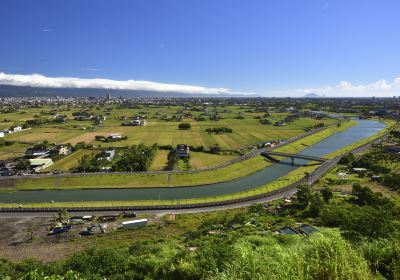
x: 218, y: 130
x: 136, y: 158
x: 109, y: 139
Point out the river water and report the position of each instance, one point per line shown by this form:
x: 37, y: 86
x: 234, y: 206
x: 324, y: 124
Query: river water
x: 363, y: 129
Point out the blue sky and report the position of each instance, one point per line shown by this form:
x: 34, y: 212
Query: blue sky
x: 267, y: 47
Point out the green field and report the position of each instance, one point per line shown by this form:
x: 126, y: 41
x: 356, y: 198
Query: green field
x: 68, y: 162
x: 246, y: 131
x: 14, y: 150
x: 230, y: 172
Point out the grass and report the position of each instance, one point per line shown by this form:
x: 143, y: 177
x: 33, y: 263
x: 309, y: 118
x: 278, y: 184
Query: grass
x: 304, y: 143
x: 353, y: 146
x: 230, y: 172
x: 200, y: 160
x: 160, y: 161
x: 14, y: 150
x: 70, y: 161
x: 51, y: 134
x: 143, y: 180
x: 246, y: 131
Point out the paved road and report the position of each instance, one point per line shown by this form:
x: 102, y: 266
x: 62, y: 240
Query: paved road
x: 157, y: 212
x: 326, y: 166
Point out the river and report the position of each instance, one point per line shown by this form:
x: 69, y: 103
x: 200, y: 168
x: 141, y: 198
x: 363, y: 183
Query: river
x: 363, y: 129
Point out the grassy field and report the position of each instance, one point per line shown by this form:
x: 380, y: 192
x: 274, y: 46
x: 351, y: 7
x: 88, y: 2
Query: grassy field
x: 279, y: 183
x: 70, y: 161
x: 160, y: 161
x: 390, y: 124
x: 314, y: 138
x: 144, y: 180
x: 230, y: 172
x: 246, y: 131
x: 200, y: 160
x: 14, y: 150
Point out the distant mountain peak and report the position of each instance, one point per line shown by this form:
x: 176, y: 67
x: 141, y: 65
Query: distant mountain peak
x: 312, y: 95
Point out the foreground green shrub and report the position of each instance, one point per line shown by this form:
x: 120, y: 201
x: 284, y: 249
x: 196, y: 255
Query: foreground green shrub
x: 318, y: 257
x: 384, y: 257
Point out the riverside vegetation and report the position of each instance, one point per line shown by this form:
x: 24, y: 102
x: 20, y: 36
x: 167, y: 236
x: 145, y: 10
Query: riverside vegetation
x: 358, y: 238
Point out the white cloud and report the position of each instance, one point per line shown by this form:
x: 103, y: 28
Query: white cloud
x: 344, y: 88
x: 37, y: 80
x: 91, y: 69
x: 47, y: 30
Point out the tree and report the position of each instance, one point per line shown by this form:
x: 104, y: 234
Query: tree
x: 349, y: 158
x: 371, y: 222
x: 80, y: 145
x: 256, y: 208
x: 304, y: 195
x: 184, y: 126
x: 85, y: 164
x: 316, y: 204
x: 135, y: 158
x: 327, y: 194
x: 365, y: 196
x: 45, y: 144
x: 22, y: 164
x: 215, y: 149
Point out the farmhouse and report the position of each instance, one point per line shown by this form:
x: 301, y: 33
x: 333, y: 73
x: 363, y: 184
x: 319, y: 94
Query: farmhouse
x: 279, y: 124
x: 360, y: 170
x: 107, y: 154
x: 36, y: 152
x: 16, y: 128
x: 135, y: 123
x: 61, y: 150
x: 115, y: 136
x: 182, y: 150
x: 6, y: 131
x: 39, y: 164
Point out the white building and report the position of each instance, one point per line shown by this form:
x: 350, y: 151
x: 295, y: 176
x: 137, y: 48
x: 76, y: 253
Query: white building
x: 17, y: 128
x: 115, y: 136
x: 134, y: 223
x: 39, y: 164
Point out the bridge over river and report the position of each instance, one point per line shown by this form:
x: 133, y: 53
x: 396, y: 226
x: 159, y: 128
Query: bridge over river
x: 363, y: 129
x: 268, y: 155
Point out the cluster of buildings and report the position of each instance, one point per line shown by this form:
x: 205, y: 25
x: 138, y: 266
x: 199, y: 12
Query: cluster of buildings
x: 41, y: 158
x: 38, y: 158
x: 12, y: 129
x: 182, y: 150
x: 135, y: 122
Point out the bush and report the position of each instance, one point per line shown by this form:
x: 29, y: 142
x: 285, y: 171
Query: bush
x: 197, y: 148
x: 384, y: 256
x: 166, y: 147
x: 219, y: 130
x: 320, y: 257
x: 184, y: 126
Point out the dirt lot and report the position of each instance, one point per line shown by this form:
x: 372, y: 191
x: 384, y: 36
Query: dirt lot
x: 27, y: 237
x: 22, y: 238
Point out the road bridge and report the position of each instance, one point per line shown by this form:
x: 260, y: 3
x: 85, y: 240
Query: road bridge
x: 269, y: 154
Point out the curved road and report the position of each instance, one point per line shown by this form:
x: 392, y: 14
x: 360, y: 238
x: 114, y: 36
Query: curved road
x: 316, y: 174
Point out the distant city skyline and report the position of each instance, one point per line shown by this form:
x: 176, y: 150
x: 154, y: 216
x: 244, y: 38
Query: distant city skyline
x: 267, y: 48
